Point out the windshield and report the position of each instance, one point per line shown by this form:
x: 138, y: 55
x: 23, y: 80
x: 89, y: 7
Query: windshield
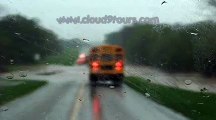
x: 107, y: 59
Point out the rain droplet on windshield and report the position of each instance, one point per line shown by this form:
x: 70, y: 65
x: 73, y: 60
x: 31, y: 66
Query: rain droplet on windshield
x: 200, y: 103
x: 206, y: 96
x: 87, y: 40
x: 194, y: 33
x: 17, y: 33
x: 10, y: 76
x: 203, y: 90
x: 193, y: 110
x: 2, y: 57
x: 147, y: 94
x: 111, y: 87
x: 11, y: 61
x: 4, y: 108
x: 187, y: 82
x: 22, y: 74
x: 148, y: 80
x: 37, y: 56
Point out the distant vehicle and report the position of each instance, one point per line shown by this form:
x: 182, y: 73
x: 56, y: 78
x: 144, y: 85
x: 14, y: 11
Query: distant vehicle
x: 82, y: 59
x: 106, y: 63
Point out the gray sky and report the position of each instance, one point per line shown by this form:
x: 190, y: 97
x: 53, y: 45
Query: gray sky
x: 175, y: 11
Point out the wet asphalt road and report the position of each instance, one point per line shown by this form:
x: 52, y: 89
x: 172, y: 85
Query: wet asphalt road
x: 68, y: 96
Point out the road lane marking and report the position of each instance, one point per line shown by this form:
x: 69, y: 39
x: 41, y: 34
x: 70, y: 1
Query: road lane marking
x: 96, y: 108
x: 78, y: 103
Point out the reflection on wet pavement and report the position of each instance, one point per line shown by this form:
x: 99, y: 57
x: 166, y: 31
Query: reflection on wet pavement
x: 58, y: 99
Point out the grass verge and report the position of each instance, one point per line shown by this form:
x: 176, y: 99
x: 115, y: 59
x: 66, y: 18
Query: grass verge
x: 67, y: 57
x: 194, y: 105
x: 10, y: 92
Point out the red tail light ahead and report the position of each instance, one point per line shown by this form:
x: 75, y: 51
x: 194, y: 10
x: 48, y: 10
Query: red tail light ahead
x: 95, y: 66
x: 119, y: 65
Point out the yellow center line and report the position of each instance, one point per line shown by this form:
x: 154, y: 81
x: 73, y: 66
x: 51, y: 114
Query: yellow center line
x: 78, y: 103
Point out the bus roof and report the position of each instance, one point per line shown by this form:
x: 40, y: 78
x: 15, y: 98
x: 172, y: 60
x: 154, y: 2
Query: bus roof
x: 101, y: 46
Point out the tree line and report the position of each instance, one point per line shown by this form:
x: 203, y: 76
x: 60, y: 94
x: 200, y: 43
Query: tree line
x: 190, y: 47
x: 24, y: 41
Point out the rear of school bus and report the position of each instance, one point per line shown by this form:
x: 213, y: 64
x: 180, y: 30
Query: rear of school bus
x: 106, y: 63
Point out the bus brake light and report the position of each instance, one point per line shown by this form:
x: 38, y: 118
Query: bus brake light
x: 119, y: 65
x: 95, y: 64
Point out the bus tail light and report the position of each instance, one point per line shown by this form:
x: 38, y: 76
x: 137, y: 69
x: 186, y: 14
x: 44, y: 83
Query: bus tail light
x: 95, y: 66
x: 119, y: 65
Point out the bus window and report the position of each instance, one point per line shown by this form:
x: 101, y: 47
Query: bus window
x: 106, y: 57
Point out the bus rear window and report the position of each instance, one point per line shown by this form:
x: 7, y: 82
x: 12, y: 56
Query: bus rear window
x: 107, y: 57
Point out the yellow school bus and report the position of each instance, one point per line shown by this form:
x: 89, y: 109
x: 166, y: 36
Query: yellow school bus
x: 106, y: 62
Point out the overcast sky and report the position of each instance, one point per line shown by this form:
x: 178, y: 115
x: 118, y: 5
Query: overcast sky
x: 174, y: 11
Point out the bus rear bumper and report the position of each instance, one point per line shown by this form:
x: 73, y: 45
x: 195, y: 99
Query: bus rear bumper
x: 117, y: 79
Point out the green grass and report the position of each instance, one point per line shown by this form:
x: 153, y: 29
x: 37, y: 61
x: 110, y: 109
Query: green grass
x: 20, y: 67
x: 183, y: 101
x: 67, y: 57
x: 9, y: 93
x: 13, y: 67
